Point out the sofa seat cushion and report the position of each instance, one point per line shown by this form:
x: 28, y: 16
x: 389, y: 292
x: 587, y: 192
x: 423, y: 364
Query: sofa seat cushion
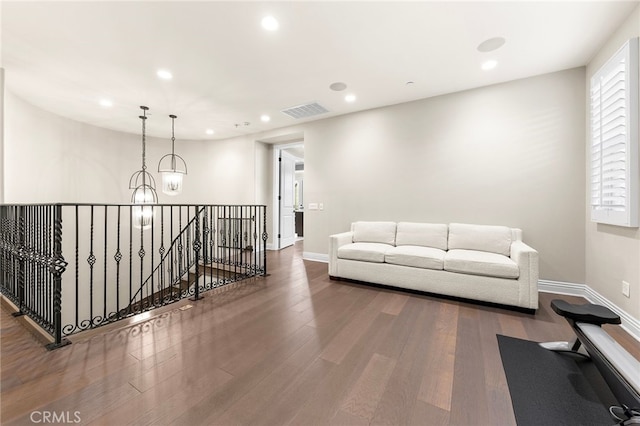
x: 366, y: 252
x: 416, y: 256
x: 480, y: 263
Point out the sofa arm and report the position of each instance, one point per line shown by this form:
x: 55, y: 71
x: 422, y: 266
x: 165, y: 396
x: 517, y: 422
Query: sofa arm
x: 527, y: 260
x: 335, y: 242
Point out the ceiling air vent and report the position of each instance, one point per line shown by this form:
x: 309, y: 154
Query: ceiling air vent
x: 306, y: 110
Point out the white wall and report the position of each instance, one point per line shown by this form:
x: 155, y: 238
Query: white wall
x: 220, y: 172
x: 53, y: 159
x: 612, y: 252
x: 263, y: 169
x: 264, y: 184
x: 509, y: 154
x: 1, y: 135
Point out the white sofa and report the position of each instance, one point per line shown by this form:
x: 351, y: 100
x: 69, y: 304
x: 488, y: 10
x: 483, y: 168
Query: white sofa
x: 479, y: 262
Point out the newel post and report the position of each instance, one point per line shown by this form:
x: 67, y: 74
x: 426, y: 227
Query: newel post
x: 265, y: 236
x: 57, y: 266
x: 21, y: 255
x: 197, y: 246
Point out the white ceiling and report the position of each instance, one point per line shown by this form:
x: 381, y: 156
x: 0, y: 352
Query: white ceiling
x: 66, y: 56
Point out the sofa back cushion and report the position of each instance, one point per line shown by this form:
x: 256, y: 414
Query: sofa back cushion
x: 492, y: 239
x: 422, y: 234
x: 374, y: 232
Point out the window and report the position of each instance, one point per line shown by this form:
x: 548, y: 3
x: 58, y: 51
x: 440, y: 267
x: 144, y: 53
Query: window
x: 614, y: 139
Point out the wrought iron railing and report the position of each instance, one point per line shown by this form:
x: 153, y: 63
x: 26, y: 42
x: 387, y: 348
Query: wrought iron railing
x: 105, y: 264
x: 166, y: 282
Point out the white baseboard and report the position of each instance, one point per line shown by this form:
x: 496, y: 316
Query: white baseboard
x: 270, y: 246
x: 629, y: 323
x: 315, y: 257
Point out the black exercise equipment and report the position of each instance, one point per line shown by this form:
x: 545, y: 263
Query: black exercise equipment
x: 620, y: 370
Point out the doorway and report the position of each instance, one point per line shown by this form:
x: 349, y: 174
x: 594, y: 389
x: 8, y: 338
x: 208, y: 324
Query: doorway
x: 288, y: 194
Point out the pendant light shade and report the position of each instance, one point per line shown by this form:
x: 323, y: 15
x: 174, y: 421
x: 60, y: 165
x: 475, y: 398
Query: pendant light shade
x: 172, y: 182
x: 172, y: 167
x: 143, y: 185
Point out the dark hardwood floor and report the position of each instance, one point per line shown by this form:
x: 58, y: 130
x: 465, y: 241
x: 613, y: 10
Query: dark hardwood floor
x: 292, y: 348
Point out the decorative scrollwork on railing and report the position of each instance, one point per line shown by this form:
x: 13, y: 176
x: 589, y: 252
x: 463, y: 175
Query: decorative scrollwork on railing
x: 57, y: 266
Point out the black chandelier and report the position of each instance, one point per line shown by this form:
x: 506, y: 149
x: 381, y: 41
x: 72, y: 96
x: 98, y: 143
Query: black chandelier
x: 143, y: 185
x: 172, y: 167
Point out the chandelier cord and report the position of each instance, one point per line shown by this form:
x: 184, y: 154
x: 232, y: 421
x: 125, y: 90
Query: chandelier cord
x: 173, y: 138
x: 144, y: 150
x: 173, y: 142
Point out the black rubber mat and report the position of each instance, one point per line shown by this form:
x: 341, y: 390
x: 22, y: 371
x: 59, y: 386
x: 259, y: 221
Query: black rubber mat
x: 549, y: 388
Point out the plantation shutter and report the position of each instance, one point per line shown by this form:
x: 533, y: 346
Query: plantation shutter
x: 614, y: 139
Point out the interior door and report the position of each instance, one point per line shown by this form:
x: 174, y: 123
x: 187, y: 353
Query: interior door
x: 287, y: 191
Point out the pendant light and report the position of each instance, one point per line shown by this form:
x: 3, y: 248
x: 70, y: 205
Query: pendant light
x: 143, y: 185
x: 172, y: 167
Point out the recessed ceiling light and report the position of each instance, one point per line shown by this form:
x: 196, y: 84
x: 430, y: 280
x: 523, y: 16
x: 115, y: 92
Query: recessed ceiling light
x: 350, y: 98
x: 489, y: 65
x: 338, y: 86
x: 270, y: 23
x: 491, y: 44
x: 265, y: 118
x: 106, y: 103
x: 409, y: 83
x: 209, y: 131
x: 165, y: 74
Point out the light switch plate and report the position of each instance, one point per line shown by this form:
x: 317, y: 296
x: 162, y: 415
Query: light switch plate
x: 625, y: 289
